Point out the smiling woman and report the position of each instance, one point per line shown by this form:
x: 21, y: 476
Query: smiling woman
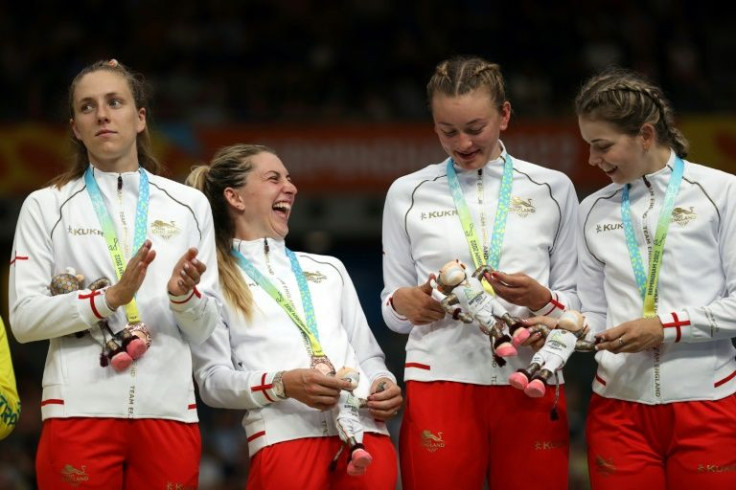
x: 657, y: 282
x: 293, y: 319
x: 484, y: 207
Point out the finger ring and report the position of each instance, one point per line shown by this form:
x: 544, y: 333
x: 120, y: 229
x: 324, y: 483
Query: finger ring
x: 621, y: 341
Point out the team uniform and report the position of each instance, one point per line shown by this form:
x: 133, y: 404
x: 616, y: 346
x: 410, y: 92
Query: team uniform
x: 9, y: 400
x: 676, y: 402
x: 236, y: 366
x: 460, y: 410
x: 58, y: 228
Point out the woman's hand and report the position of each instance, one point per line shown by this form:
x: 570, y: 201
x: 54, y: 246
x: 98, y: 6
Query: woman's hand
x: 633, y: 336
x: 385, y: 399
x: 124, y: 290
x: 313, y: 388
x: 519, y: 289
x: 537, y: 338
x: 186, y: 274
x: 417, y: 304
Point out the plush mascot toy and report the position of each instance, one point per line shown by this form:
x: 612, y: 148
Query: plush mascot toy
x: 122, y: 348
x: 349, y: 427
x: 559, y: 344
x: 464, y: 297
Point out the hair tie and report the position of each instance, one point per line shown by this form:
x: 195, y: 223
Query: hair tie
x: 113, y: 63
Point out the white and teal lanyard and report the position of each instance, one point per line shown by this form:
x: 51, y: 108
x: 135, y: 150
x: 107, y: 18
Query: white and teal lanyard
x: 499, y: 224
x: 648, y: 283
x: 308, y: 327
x: 108, y: 229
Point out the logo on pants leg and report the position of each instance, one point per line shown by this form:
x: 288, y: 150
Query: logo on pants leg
x: 604, y: 466
x: 432, y: 442
x: 73, y: 476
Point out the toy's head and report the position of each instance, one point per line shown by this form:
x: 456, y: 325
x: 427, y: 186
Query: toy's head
x: 452, y: 274
x: 66, y: 282
x: 572, y: 321
x: 349, y: 374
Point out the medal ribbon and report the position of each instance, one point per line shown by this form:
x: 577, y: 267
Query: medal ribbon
x: 648, y: 283
x: 108, y: 229
x: 308, y: 327
x: 499, y: 223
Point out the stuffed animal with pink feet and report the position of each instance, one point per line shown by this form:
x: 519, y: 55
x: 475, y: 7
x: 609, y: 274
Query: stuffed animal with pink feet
x: 559, y: 344
x: 464, y: 297
x: 349, y: 427
x: 122, y: 348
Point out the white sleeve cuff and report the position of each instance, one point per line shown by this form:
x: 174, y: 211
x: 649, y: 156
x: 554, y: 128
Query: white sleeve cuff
x: 185, y: 301
x: 261, y: 389
x: 553, y: 309
x: 674, y: 325
x: 94, y: 305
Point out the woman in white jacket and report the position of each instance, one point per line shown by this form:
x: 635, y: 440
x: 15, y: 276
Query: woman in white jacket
x: 111, y: 216
x: 291, y: 320
x: 657, y: 282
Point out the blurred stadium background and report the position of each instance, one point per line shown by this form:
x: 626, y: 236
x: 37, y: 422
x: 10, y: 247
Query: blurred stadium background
x: 337, y: 88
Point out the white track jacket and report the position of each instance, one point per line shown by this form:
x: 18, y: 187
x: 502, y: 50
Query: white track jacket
x: 422, y: 231
x: 235, y: 367
x: 696, y: 299
x: 58, y: 228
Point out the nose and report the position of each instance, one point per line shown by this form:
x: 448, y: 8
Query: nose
x: 464, y: 141
x: 103, y: 114
x: 593, y: 158
x: 290, y: 187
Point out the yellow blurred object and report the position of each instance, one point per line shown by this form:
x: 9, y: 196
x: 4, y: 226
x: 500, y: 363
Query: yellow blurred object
x: 9, y: 401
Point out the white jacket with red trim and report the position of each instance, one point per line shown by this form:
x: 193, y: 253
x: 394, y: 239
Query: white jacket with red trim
x: 421, y: 232
x: 235, y: 367
x: 696, y: 299
x: 57, y: 229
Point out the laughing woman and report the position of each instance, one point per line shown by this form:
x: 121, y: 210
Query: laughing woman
x: 292, y: 319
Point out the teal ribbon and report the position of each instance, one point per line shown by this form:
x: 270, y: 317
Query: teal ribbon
x: 308, y: 327
x: 647, y: 283
x: 108, y: 228
x: 499, y: 223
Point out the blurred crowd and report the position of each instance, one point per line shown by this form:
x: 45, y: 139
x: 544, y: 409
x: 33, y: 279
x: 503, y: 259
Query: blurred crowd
x: 315, y: 61
x: 321, y: 61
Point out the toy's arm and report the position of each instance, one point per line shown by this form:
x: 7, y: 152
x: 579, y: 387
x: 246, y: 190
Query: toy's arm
x: 449, y: 305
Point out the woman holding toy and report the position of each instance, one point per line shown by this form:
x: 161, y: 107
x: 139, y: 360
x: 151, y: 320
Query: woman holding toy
x: 659, y: 292
x: 293, y: 319
x: 126, y: 423
x: 483, y: 207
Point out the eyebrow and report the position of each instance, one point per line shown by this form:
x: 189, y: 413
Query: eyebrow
x: 268, y: 173
x: 107, y: 95
x: 469, y: 123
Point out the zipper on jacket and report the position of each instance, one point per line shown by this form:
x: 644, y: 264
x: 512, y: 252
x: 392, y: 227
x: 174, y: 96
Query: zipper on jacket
x: 645, y: 220
x: 266, y: 255
x: 120, y: 182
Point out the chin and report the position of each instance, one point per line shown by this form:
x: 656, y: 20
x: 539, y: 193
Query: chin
x: 473, y: 164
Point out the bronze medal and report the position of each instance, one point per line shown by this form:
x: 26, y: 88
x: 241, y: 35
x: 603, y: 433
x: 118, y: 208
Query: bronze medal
x: 323, y: 365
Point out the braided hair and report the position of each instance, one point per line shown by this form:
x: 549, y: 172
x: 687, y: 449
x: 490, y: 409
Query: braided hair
x: 628, y: 100
x: 462, y: 74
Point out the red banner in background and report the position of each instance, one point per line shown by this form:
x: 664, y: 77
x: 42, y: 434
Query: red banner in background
x: 349, y: 159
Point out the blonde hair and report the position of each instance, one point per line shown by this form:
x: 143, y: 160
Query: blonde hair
x: 461, y: 75
x: 229, y: 168
x: 627, y: 100
x: 140, y: 90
